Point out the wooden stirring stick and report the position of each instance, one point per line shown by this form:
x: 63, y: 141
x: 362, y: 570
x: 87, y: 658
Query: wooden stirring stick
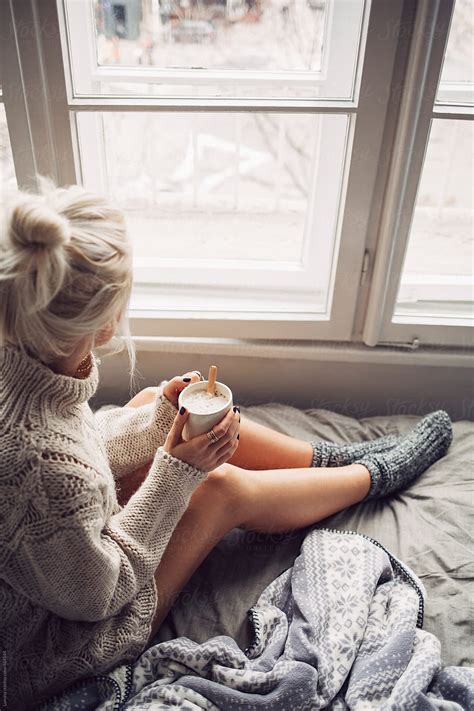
x: 211, y: 379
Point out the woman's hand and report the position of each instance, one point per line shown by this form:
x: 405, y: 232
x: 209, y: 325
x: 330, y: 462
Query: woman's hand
x: 171, y: 390
x: 174, y: 386
x: 199, y: 451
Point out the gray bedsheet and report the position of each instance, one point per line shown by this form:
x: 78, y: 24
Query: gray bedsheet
x: 428, y: 526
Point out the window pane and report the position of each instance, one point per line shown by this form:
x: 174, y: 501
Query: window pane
x: 260, y: 48
x: 437, y: 276
x: 7, y: 170
x: 241, y: 34
x: 457, y: 77
x: 259, y: 192
x: 230, y: 185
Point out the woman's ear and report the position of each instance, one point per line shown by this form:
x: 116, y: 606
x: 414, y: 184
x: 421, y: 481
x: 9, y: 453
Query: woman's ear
x: 104, y: 335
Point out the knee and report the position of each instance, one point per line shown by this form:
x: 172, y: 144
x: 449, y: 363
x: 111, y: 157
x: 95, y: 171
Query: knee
x: 229, y: 485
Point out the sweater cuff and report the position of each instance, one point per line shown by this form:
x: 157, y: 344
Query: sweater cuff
x: 165, y: 412
x: 184, y: 467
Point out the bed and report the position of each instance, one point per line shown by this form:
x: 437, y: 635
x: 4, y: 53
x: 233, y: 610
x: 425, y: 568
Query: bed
x: 428, y: 526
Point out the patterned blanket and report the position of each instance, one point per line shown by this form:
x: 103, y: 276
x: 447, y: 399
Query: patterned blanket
x: 341, y: 629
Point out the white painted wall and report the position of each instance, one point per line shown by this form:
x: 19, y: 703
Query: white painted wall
x: 389, y: 382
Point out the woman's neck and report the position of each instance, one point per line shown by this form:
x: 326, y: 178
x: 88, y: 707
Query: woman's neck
x: 76, y: 365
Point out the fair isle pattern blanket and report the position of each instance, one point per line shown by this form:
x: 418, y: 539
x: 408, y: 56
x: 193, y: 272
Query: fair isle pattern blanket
x: 341, y: 629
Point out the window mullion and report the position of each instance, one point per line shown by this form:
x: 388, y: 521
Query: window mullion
x: 139, y: 103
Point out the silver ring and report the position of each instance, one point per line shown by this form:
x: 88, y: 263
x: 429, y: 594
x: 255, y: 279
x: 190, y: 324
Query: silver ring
x: 212, y: 437
x: 201, y: 376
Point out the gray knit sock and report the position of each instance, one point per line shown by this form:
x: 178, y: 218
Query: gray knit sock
x: 333, y: 454
x: 394, y: 469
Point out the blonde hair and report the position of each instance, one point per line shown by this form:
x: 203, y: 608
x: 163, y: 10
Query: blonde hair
x: 65, y: 270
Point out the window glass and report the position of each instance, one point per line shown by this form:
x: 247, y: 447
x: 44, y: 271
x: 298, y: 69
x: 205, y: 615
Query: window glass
x: 458, y: 65
x: 457, y: 76
x: 239, y: 34
x: 437, y: 277
x: 258, y: 192
x: 223, y: 48
x: 233, y: 185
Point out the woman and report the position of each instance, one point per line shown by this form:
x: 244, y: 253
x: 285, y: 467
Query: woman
x: 85, y: 581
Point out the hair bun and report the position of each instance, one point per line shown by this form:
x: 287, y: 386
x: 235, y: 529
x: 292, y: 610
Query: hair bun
x: 33, y: 224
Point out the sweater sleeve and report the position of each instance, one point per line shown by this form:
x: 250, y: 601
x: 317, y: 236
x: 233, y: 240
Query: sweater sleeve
x: 133, y: 434
x: 84, y: 567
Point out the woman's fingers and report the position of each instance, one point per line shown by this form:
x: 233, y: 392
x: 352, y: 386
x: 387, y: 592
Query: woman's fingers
x: 176, y: 385
x: 223, y: 425
x: 234, y: 426
x: 182, y: 381
x: 224, y: 456
x: 226, y: 450
x: 199, y: 450
x: 227, y: 427
x: 229, y: 437
x: 192, y: 375
x: 220, y: 430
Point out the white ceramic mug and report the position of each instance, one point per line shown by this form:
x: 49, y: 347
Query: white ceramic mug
x: 199, y: 422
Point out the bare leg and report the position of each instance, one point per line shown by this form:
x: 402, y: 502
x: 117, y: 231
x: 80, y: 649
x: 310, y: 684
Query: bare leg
x: 278, y: 499
x: 260, y: 447
x: 271, y: 501
x: 285, y: 499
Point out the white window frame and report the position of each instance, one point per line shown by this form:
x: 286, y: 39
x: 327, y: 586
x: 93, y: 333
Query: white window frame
x: 418, y: 107
x: 41, y: 113
x: 228, y: 275
x: 339, y: 27
x: 292, y: 306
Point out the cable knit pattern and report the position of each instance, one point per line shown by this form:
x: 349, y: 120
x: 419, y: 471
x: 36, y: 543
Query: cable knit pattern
x: 333, y: 454
x: 394, y: 469
x: 132, y: 435
x: 77, y: 593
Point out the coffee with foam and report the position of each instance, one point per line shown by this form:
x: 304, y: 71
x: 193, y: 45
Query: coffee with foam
x: 201, y: 402
x: 204, y: 411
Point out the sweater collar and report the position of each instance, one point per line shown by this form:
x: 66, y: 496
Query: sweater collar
x: 62, y: 391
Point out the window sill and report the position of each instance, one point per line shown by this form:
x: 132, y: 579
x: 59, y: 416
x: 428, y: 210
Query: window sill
x: 334, y: 351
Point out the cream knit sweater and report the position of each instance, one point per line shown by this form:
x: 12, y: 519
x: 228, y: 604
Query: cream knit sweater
x: 77, y: 593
